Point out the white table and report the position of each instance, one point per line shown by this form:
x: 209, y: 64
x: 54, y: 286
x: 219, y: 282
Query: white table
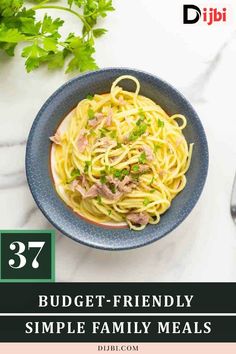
x: 197, y: 59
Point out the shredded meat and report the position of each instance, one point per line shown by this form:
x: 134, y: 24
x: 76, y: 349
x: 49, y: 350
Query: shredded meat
x: 84, y: 181
x: 148, y: 152
x: 98, y: 189
x: 105, y: 192
x: 91, y: 193
x: 93, y: 122
x: 104, y: 142
x: 81, y: 190
x: 74, y: 184
x: 98, y: 117
x: 138, y: 218
x: 124, y: 186
x: 141, y: 169
x: 114, y: 181
x: 109, y: 118
x: 56, y: 139
x: 82, y: 141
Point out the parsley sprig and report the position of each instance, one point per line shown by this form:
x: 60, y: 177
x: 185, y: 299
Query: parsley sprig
x: 44, y: 44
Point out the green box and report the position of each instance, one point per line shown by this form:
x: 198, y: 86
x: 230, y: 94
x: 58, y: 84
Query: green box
x: 27, y: 256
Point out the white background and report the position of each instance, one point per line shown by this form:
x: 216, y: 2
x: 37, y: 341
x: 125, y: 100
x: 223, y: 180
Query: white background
x: 200, y: 61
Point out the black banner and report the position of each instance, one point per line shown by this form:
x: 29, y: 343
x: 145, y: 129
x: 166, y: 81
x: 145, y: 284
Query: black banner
x: 118, y: 312
x: 161, y: 329
x: 207, y: 297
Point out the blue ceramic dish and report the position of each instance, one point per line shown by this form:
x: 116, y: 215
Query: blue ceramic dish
x: 38, y: 151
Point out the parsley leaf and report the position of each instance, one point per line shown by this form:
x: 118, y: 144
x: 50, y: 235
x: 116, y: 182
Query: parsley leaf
x: 112, y: 187
x: 120, y: 174
x: 86, y: 167
x: 35, y: 55
x: 74, y: 174
x: 146, y: 201
x: 10, y: 7
x: 135, y: 168
x: 45, y: 46
x: 137, y: 132
x: 11, y: 35
x: 98, y: 32
x: 160, y: 123
x: 143, y: 157
x: 82, y: 52
x: 125, y: 172
x: 103, y: 179
x: 91, y: 113
x: 103, y: 132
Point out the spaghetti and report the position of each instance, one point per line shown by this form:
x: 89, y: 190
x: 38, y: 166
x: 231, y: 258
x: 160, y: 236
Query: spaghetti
x: 119, y: 158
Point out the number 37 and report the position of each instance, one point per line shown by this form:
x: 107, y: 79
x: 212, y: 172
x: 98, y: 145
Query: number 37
x: 20, y: 248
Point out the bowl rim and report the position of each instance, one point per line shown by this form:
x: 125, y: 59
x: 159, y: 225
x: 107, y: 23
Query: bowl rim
x: 48, y: 101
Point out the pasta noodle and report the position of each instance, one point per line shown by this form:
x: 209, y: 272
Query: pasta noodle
x: 120, y: 158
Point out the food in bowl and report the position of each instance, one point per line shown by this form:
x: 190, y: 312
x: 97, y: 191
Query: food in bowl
x: 119, y: 159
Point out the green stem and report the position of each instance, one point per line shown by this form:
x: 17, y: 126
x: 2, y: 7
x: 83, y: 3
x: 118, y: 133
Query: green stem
x: 41, y: 6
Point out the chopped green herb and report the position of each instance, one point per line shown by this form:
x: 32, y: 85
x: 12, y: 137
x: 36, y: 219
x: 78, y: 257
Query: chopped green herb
x: 135, y: 168
x: 137, y: 132
x: 92, y: 133
x: 140, y: 110
x: 99, y: 199
x: 160, y: 123
x: 120, y: 174
x: 143, y: 157
x: 112, y: 188
x: 74, y: 174
x: 117, y: 173
x: 91, y: 113
x: 86, y: 167
x: 109, y: 212
x: 125, y: 172
x: 103, y: 179
x: 103, y: 132
x: 89, y: 97
x: 146, y: 201
x: 118, y: 145
x: 139, y: 121
x: 152, y: 191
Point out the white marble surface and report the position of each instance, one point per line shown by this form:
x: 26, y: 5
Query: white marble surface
x: 200, y: 61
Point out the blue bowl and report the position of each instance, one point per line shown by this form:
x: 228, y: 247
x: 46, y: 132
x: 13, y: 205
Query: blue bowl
x: 38, y: 151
